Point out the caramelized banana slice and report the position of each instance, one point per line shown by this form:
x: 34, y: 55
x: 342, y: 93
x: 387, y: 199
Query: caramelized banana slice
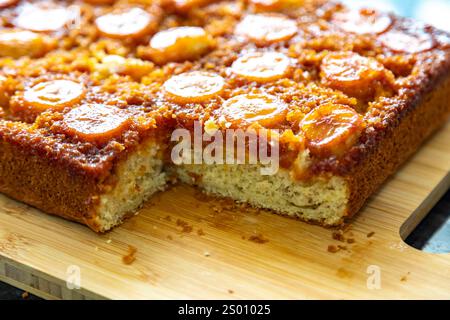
x: 43, y: 17
x: 275, y: 5
x: 96, y: 123
x: 246, y: 109
x: 17, y: 43
x: 363, y: 21
x: 331, y: 129
x: 261, y: 66
x: 264, y: 29
x: 353, y: 74
x: 179, y: 44
x: 413, y: 41
x: 54, y: 94
x: 7, y: 3
x: 195, y: 86
x: 126, y: 23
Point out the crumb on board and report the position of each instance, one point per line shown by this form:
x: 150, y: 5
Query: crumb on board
x: 370, y: 234
x: 405, y: 277
x: 130, y: 257
x: 332, y: 248
x: 185, y: 227
x: 25, y: 295
x: 338, y: 235
x: 108, y: 241
x: 206, y: 254
x: 230, y: 291
x: 168, y: 218
x: 258, y: 238
x: 350, y: 240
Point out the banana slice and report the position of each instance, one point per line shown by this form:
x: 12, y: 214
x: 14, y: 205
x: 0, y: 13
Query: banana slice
x: 43, y: 17
x: 96, y: 123
x: 246, y: 109
x: 195, y: 86
x: 54, y: 94
x: 353, y: 74
x: 265, y: 29
x: 16, y: 43
x: 179, y: 44
x: 414, y: 41
x: 261, y: 66
x: 363, y: 21
x: 331, y: 129
x: 126, y: 23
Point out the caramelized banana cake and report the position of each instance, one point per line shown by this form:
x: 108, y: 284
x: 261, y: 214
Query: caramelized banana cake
x: 91, y: 91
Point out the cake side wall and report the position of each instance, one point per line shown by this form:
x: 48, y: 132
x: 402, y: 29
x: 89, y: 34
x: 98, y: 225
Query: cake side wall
x: 40, y: 183
x: 418, y: 123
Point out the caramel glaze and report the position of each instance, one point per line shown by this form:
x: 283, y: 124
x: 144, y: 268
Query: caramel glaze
x: 118, y: 72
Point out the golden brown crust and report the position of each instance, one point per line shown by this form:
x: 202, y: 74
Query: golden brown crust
x: 425, y: 115
x: 38, y: 181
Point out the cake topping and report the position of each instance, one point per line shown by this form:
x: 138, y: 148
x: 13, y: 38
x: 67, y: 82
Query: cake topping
x: 363, y: 21
x: 54, y: 94
x: 352, y: 73
x: 43, y: 17
x: 17, y: 43
x: 274, y: 5
x: 266, y: 29
x: 246, y: 109
x: 100, y: 2
x: 7, y: 3
x: 178, y: 44
x: 261, y: 66
x: 195, y: 86
x: 132, y: 22
x: 183, y: 5
x: 331, y: 129
x: 413, y: 41
x: 96, y: 122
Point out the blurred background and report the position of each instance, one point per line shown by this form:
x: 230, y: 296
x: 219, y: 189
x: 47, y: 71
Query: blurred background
x: 434, y: 12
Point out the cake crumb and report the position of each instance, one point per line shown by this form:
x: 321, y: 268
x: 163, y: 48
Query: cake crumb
x: 168, y: 218
x: 338, y: 235
x: 206, y: 254
x: 405, y: 277
x: 333, y: 248
x: 200, y: 232
x: 185, y: 227
x: 230, y: 291
x: 130, y: 257
x: 350, y: 240
x: 108, y: 241
x: 258, y: 238
x: 370, y: 234
x: 25, y: 295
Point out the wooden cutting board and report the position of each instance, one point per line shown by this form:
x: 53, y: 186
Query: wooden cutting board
x: 188, y: 247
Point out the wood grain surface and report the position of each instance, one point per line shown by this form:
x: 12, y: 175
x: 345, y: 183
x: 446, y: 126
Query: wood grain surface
x: 192, y: 247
